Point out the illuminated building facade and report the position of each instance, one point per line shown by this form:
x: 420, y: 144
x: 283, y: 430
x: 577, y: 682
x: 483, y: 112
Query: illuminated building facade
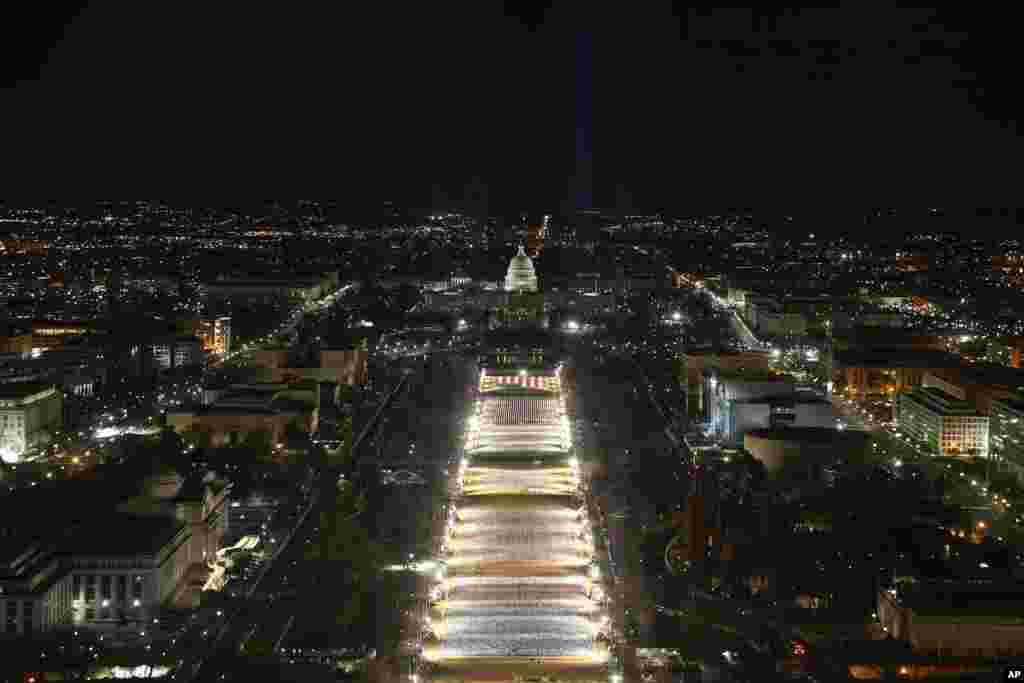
x: 29, y: 414
x: 215, y: 334
x: 126, y: 568
x: 49, y: 334
x: 521, y: 276
x: 231, y: 416
x: 23, y: 247
x: 15, y: 341
x: 177, y: 352
x: 1006, y: 433
x: 887, y: 371
x: 940, y: 416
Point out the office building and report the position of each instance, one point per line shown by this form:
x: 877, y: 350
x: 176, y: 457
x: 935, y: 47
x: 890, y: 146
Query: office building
x: 938, y: 414
x: 803, y: 450
x: 200, y: 502
x: 956, y: 618
x: 214, y: 333
x: 30, y: 413
x: 887, y: 371
x: 177, y: 352
x: 266, y: 408
x: 124, y: 567
x: 15, y: 341
x: 35, y: 591
x: 695, y: 361
x: 283, y: 290
x: 341, y: 366
x: 1006, y: 434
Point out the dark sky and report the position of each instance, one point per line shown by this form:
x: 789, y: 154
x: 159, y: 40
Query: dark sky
x: 687, y: 110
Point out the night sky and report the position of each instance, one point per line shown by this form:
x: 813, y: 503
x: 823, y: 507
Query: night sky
x: 688, y: 111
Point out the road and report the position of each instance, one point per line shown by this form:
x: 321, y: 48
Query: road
x: 295, y: 317
x: 243, y: 614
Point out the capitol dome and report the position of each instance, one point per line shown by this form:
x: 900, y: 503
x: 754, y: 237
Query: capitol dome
x: 521, y: 277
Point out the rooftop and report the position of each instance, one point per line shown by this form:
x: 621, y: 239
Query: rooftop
x: 909, y: 358
x: 940, y: 401
x: 966, y: 602
x: 79, y: 500
x: 754, y: 375
x: 125, y: 534
x: 1013, y: 403
x: 995, y: 375
x: 22, y: 390
x: 710, y: 351
x: 812, y: 435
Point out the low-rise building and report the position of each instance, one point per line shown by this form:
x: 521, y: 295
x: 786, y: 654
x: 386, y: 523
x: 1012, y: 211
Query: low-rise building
x: 199, y: 502
x: 15, y: 341
x: 30, y: 413
x: 956, y: 617
x: 696, y: 361
x: 886, y: 371
x: 35, y: 591
x: 177, y: 351
x: 282, y: 289
x: 804, y: 451
x: 110, y: 555
x: 80, y: 371
x: 937, y: 413
x: 214, y: 333
x: 124, y: 567
x: 1006, y: 433
x: 270, y: 408
x: 341, y: 366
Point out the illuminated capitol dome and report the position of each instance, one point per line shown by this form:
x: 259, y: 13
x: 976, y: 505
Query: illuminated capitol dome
x: 521, y: 277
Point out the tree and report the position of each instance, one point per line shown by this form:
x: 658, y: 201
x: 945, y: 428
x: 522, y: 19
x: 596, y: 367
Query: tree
x: 258, y: 446
x: 295, y: 431
x: 345, y: 561
x: 200, y: 439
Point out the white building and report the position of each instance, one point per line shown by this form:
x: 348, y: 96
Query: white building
x: 35, y: 591
x: 938, y: 413
x: 29, y: 414
x: 177, y: 352
x: 125, y: 569
x: 521, y: 276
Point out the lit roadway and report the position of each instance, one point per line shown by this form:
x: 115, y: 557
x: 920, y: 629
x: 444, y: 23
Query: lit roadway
x: 295, y: 317
x: 270, y: 618
x: 739, y: 327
